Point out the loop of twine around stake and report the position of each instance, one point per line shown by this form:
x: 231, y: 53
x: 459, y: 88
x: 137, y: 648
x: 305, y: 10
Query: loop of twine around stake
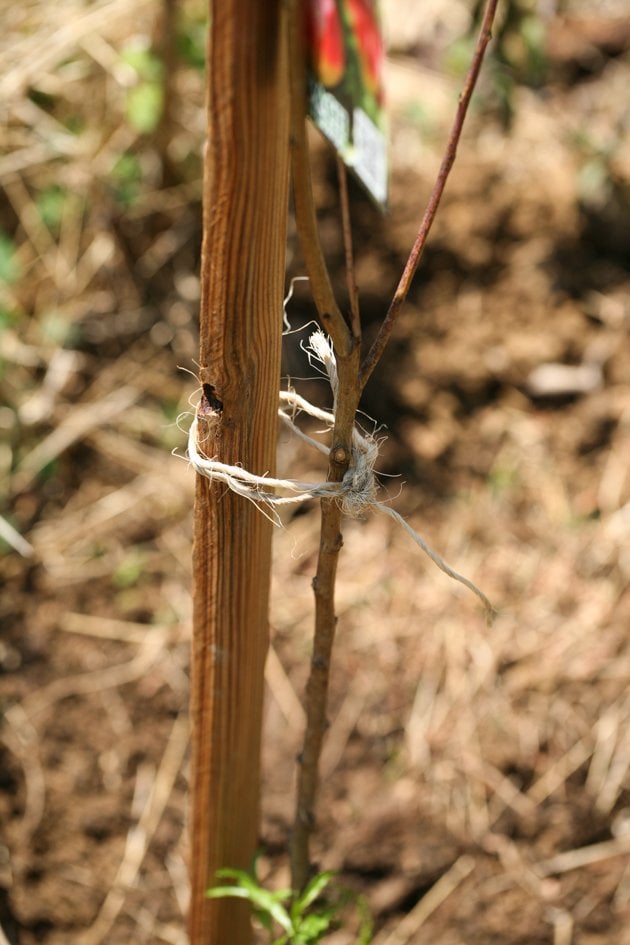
x: 356, y: 493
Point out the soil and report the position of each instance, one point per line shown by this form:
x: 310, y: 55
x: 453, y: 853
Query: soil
x: 475, y: 778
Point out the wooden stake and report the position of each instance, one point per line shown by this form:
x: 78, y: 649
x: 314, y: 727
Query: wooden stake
x: 242, y: 277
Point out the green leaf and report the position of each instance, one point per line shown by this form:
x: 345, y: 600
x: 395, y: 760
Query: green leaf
x: 145, y: 62
x: 312, y: 927
x: 242, y: 877
x: 264, y: 918
x: 298, y: 928
x: 191, y: 43
x: 144, y: 106
x: 229, y: 872
x: 222, y: 892
x: 267, y: 902
x: 313, y: 889
x: 260, y: 898
x: 366, y: 929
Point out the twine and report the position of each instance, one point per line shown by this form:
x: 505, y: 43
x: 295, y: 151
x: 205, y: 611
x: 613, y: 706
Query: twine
x: 356, y: 494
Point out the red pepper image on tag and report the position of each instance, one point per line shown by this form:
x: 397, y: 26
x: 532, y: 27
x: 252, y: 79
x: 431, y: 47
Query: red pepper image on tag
x: 325, y: 42
x: 345, y: 54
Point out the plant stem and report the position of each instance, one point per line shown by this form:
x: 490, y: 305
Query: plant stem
x: 347, y: 352
x: 374, y: 354
x: 330, y: 545
x: 352, y: 377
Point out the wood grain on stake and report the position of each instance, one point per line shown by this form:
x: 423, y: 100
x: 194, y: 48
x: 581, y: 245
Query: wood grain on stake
x: 242, y: 275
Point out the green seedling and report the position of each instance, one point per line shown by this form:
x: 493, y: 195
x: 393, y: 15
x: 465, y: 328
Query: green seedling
x: 294, y: 920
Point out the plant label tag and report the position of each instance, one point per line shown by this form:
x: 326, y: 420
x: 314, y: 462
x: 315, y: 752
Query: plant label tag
x: 345, y: 54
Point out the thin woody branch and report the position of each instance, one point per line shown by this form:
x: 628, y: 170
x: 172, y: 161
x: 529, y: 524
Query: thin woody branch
x: 347, y: 350
x: 330, y: 545
x: 351, y: 379
x: 374, y: 354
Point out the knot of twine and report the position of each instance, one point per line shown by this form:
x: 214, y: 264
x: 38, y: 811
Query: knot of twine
x: 357, y: 491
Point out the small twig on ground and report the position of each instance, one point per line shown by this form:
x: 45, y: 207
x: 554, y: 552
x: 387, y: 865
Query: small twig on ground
x: 583, y: 856
x: 406, y: 930
x: 13, y: 538
x: 81, y: 684
x: 141, y: 832
x: 21, y: 738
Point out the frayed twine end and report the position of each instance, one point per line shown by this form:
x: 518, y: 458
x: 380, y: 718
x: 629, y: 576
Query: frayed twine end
x: 356, y: 493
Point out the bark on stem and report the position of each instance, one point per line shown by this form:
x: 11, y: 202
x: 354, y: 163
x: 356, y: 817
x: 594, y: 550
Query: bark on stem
x: 330, y: 545
x: 347, y: 352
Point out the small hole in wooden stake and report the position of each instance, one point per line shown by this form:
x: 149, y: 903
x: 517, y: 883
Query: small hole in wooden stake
x: 210, y: 403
